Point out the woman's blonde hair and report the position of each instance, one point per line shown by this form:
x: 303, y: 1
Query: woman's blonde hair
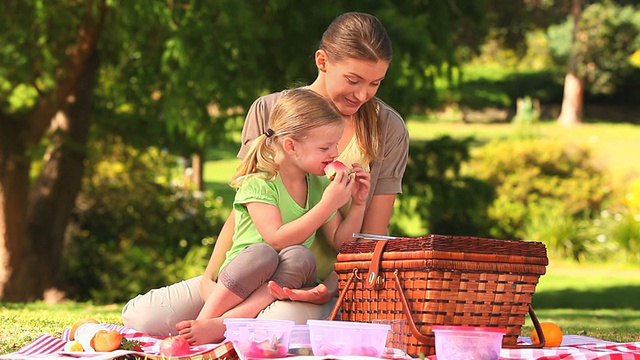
x: 361, y: 36
x: 294, y: 115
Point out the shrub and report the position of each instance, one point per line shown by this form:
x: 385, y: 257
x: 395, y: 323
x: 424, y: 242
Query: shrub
x: 446, y: 201
x: 133, y: 230
x: 541, y: 185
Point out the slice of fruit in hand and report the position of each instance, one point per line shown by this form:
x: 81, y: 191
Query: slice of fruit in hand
x: 333, y: 168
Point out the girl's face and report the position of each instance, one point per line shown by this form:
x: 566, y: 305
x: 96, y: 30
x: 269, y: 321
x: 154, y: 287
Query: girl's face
x: 318, y: 149
x: 352, y: 82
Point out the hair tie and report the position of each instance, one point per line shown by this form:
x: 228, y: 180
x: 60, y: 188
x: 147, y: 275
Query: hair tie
x: 269, y: 133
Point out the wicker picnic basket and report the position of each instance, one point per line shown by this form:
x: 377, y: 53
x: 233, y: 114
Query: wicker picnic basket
x: 440, y: 280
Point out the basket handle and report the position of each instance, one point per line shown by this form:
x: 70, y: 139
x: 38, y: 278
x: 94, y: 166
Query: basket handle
x: 405, y: 305
x: 343, y: 293
x: 422, y: 338
x: 536, y: 325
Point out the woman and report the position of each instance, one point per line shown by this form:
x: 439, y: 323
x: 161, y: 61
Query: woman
x: 352, y: 60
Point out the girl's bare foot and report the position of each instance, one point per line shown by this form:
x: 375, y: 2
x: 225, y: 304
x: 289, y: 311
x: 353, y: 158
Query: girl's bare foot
x: 200, y: 332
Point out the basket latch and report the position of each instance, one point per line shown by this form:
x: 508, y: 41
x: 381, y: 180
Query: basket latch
x: 374, y: 280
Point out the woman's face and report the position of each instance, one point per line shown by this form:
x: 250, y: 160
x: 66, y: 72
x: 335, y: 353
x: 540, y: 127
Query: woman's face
x: 352, y: 82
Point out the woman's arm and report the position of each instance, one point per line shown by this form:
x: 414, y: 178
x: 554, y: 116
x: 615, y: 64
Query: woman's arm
x: 220, y: 248
x: 378, y: 214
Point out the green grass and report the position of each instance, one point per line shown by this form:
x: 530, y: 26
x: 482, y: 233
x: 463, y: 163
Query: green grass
x: 592, y: 300
x: 22, y: 323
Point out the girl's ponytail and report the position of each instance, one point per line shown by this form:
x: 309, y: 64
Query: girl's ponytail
x: 258, y: 160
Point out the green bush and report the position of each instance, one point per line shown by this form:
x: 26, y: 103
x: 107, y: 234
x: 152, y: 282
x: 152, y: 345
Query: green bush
x: 435, y: 190
x: 133, y: 230
x: 545, y: 190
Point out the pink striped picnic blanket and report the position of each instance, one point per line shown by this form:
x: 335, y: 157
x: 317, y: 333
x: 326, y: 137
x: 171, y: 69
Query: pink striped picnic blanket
x: 51, y: 347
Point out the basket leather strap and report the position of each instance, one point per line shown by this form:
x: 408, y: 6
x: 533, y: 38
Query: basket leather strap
x: 374, y: 281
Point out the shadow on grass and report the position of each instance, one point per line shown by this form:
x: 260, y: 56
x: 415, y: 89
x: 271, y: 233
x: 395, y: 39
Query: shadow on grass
x: 617, y: 297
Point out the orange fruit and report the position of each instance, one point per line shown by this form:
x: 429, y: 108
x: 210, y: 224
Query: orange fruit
x: 552, y: 334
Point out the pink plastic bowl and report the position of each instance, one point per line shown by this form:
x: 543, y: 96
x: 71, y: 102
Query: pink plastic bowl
x: 468, y: 342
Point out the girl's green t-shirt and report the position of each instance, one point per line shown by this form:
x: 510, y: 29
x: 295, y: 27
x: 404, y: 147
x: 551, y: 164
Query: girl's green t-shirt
x: 257, y: 189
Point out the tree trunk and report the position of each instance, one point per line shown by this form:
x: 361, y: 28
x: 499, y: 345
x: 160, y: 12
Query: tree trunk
x: 53, y: 195
x: 196, y: 177
x: 573, y: 96
x: 16, y: 252
x: 32, y: 224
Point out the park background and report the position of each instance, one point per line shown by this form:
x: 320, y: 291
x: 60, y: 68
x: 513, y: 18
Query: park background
x: 119, y: 124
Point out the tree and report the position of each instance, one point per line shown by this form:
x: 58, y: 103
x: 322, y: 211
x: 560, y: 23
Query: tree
x: 172, y: 74
x: 42, y: 92
x: 604, y: 35
x: 571, y: 111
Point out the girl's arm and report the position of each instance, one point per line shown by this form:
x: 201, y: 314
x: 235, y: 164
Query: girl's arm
x: 268, y: 220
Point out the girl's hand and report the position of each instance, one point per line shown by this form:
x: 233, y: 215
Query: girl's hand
x: 360, y: 185
x: 316, y: 295
x: 338, y: 192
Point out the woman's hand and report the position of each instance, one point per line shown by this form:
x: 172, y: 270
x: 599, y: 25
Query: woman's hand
x: 361, y: 184
x: 317, y: 295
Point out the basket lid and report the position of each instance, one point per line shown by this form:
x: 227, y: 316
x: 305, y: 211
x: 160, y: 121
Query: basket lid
x: 447, y: 247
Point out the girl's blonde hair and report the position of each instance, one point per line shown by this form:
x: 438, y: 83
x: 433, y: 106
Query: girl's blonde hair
x: 361, y: 36
x: 294, y: 115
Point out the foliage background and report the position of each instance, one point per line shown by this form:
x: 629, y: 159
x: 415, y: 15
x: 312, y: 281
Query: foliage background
x: 176, y: 77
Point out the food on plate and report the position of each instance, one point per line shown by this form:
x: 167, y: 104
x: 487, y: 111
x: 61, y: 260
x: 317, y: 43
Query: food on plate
x: 174, y: 346
x: 74, y: 328
x: 333, y: 168
x: 73, y: 346
x: 93, y: 336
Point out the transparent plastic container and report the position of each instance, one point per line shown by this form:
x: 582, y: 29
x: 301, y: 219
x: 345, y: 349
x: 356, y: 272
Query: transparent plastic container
x: 468, y: 342
x: 259, y: 338
x: 343, y: 338
x: 300, y: 341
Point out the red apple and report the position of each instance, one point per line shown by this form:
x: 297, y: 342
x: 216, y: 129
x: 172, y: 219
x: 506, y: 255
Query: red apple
x: 174, y: 346
x: 333, y: 167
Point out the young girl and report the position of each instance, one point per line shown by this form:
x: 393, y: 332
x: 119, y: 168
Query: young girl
x: 282, y: 199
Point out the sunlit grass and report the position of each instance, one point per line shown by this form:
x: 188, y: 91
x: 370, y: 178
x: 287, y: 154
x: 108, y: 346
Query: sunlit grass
x: 615, y: 146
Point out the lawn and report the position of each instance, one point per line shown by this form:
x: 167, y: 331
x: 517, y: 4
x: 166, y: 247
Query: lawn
x: 598, y: 301
x: 615, y: 146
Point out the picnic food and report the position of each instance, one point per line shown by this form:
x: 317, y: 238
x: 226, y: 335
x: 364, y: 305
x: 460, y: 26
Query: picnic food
x: 333, y: 168
x: 552, y: 334
x: 73, y: 346
x: 174, y: 346
x: 74, y: 328
x: 93, y: 336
